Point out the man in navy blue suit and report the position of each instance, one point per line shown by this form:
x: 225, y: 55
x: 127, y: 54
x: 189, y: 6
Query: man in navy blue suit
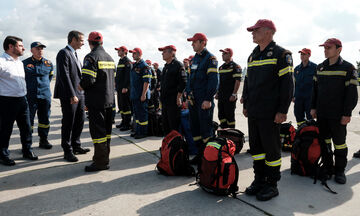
x: 68, y: 76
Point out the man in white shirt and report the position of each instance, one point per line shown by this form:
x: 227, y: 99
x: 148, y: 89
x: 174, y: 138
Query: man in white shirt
x: 13, y: 103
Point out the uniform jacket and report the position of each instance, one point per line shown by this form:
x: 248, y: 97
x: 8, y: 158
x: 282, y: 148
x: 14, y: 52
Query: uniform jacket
x: 68, y: 75
x: 140, y: 73
x: 173, y: 81
x: 122, y: 78
x: 98, y: 79
x: 304, y: 80
x: 229, y: 73
x: 268, y: 85
x: 203, y: 81
x: 335, y: 89
x: 38, y: 75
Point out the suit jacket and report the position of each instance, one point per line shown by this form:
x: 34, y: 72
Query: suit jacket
x: 68, y: 75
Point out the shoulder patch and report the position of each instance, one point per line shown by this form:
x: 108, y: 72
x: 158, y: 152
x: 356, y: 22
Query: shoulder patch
x: 355, y: 74
x: 47, y: 63
x: 88, y: 61
x: 286, y: 52
x: 212, y: 57
x: 289, y: 59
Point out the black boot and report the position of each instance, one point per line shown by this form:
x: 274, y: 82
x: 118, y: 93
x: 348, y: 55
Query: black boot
x: 269, y: 191
x: 93, y: 168
x: 357, y: 154
x: 44, y: 143
x: 255, y: 187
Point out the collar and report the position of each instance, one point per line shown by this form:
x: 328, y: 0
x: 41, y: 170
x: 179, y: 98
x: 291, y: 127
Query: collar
x: 71, y: 48
x: 8, y: 57
x: 202, y: 52
x: 34, y: 60
x: 338, y: 62
x: 267, y: 48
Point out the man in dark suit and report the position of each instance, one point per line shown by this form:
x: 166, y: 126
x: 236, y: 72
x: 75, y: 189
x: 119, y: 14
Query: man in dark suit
x: 68, y: 76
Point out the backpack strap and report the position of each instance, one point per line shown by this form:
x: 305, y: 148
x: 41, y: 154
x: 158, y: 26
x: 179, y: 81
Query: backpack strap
x: 233, y: 187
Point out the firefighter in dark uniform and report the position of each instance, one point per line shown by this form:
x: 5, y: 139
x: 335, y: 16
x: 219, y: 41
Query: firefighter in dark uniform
x: 38, y: 74
x: 201, y: 88
x: 303, y: 75
x: 173, y: 82
x: 157, y: 72
x: 267, y: 94
x: 230, y: 77
x: 154, y: 94
x: 122, y: 85
x: 140, y: 78
x: 186, y: 63
x: 333, y: 99
x: 158, y: 83
x: 357, y: 154
x: 98, y: 83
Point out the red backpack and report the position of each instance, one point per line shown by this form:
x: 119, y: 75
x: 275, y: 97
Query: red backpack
x: 218, y: 171
x: 174, y: 159
x: 310, y: 156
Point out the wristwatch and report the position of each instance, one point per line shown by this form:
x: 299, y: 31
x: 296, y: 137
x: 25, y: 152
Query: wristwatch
x: 235, y: 95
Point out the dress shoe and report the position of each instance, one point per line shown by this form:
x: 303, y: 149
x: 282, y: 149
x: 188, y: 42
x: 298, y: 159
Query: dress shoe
x: 70, y: 157
x: 7, y: 161
x: 133, y: 134
x: 340, y: 177
x: 357, y: 154
x: 80, y: 150
x: 267, y: 192
x: 44, y: 143
x: 119, y: 126
x: 255, y: 187
x: 140, y: 136
x: 93, y: 168
x: 30, y: 155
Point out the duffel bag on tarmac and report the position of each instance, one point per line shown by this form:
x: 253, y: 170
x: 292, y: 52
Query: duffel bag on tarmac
x: 234, y: 135
x: 218, y: 171
x: 174, y: 156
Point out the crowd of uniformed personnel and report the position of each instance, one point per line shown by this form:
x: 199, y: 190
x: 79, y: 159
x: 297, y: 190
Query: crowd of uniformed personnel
x: 326, y: 92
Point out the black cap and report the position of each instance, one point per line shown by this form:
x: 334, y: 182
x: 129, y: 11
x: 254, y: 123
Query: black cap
x: 37, y: 44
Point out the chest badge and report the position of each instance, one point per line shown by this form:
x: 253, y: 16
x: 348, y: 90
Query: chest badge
x: 30, y: 66
x: 270, y: 53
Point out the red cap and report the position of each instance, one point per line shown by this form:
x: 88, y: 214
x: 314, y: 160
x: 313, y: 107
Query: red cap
x: 227, y: 50
x: 305, y: 51
x: 332, y: 41
x: 122, y: 48
x: 262, y: 23
x: 198, y: 36
x: 148, y: 62
x: 172, y: 47
x: 191, y: 57
x: 136, y: 50
x: 155, y: 63
x: 95, y: 36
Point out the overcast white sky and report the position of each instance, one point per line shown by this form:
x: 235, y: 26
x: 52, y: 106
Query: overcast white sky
x: 150, y: 24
